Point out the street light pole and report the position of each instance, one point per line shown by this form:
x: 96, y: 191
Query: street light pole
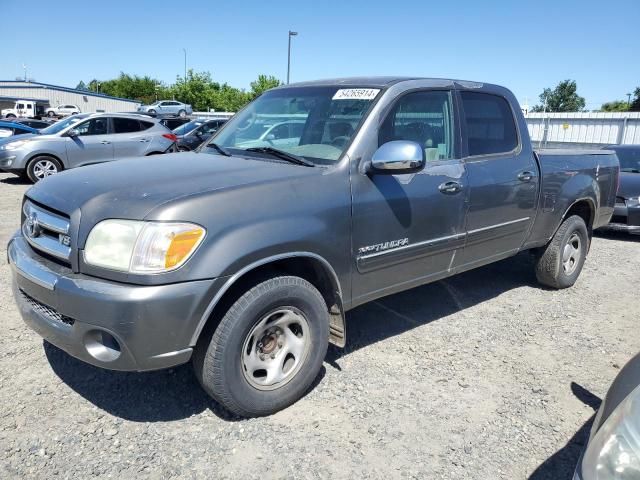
x: 291, y: 34
x: 628, y: 99
x: 185, y: 64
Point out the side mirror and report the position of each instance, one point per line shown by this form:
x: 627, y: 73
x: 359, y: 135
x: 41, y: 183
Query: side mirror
x: 398, y: 157
x: 270, y: 137
x: 72, y: 133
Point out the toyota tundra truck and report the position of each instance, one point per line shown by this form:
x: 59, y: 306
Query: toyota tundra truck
x: 244, y: 256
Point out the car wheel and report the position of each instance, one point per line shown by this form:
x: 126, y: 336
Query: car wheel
x: 268, y: 348
x: 51, y: 114
x: 182, y: 114
x: 182, y: 148
x: 152, y: 112
x: 11, y: 115
x: 559, y: 263
x: 41, y: 167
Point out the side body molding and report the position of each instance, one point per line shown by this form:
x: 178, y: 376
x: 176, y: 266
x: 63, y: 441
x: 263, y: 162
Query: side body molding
x: 337, y: 325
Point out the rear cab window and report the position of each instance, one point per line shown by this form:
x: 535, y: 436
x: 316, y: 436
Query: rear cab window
x: 489, y: 124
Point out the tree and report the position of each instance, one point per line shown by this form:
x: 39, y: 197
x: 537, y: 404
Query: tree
x: 563, y: 98
x: 82, y: 87
x: 635, y: 104
x: 615, y: 106
x: 262, y: 84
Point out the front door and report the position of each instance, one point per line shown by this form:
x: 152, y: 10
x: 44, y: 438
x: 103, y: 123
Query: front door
x: 503, y: 180
x: 407, y: 228
x: 92, y: 143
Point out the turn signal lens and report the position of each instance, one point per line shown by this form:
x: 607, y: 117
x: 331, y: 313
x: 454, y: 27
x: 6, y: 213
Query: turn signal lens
x: 181, y: 246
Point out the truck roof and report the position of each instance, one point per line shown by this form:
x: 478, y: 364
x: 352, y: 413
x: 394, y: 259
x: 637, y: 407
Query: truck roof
x: 385, y: 81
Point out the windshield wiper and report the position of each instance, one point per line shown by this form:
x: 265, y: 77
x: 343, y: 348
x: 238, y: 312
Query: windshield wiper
x: 289, y: 157
x: 219, y: 149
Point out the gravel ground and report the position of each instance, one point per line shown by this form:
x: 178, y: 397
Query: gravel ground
x: 482, y: 376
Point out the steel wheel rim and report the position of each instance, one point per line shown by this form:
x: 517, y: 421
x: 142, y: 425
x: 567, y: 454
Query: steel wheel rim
x: 44, y: 168
x: 275, y: 348
x: 571, y: 254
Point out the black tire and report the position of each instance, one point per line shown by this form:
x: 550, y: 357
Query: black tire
x: 551, y: 269
x: 182, y: 148
x: 219, y: 356
x: 182, y: 113
x: 11, y: 115
x: 51, y: 114
x: 152, y: 112
x: 32, y: 167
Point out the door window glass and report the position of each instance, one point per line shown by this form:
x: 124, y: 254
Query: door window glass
x: 423, y: 117
x: 95, y: 126
x: 125, y: 125
x: 490, y: 124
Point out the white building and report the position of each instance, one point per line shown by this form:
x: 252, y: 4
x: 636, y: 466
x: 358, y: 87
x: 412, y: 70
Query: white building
x: 53, y: 95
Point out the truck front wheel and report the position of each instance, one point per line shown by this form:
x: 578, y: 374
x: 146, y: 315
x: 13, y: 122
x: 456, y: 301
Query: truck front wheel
x: 268, y: 348
x: 559, y: 264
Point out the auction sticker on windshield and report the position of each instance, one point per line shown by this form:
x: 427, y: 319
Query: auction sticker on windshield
x: 356, y: 94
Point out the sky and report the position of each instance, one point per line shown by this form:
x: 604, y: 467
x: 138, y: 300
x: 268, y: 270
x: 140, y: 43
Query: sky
x: 523, y: 45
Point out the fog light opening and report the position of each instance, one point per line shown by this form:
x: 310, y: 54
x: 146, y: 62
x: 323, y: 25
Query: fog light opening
x: 102, y: 345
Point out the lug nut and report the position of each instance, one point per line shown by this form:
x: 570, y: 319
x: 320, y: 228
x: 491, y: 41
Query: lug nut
x: 280, y: 344
x: 273, y: 355
x: 261, y: 356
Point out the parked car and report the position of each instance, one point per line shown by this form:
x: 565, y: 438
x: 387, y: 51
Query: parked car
x: 174, y: 122
x: 626, y: 216
x: 245, y: 259
x: 30, y: 122
x: 191, y: 135
x: 62, y: 111
x: 25, y: 109
x: 285, y: 134
x: 167, y: 107
x: 9, y: 129
x: 82, y: 140
x: 613, y: 449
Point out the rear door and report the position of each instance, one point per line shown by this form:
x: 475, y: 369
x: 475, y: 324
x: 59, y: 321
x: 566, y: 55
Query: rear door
x: 92, y: 145
x: 503, y: 179
x: 129, y: 137
x: 407, y: 228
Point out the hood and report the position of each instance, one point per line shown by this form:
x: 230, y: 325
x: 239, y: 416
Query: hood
x: 21, y: 136
x: 629, y: 185
x: 131, y: 188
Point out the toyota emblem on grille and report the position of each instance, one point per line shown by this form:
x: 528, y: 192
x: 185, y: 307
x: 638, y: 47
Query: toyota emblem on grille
x: 32, y: 225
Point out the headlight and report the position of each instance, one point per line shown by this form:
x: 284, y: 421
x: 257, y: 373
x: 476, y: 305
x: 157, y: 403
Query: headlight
x: 614, y: 452
x: 141, y: 247
x: 13, y: 145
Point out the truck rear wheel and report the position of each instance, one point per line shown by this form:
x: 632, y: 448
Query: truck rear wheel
x: 559, y: 263
x: 268, y: 348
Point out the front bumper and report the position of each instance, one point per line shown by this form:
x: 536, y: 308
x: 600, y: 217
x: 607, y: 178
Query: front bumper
x: 12, y: 160
x: 625, y: 219
x: 104, y: 323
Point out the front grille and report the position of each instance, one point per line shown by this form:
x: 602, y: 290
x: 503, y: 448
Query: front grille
x: 46, y: 311
x: 47, y: 231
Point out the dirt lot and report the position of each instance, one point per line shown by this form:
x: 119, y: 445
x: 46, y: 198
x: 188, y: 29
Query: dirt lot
x: 482, y: 376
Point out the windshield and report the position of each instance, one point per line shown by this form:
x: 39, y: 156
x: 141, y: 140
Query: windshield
x: 187, y: 127
x: 629, y: 158
x: 61, y: 125
x: 316, y: 123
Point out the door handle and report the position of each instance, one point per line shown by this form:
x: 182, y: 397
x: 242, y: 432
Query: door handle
x: 105, y: 142
x: 525, y: 176
x: 450, y: 188
x: 144, y: 140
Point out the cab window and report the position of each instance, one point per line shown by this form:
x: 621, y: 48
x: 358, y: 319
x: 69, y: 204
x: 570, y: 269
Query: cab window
x: 95, y: 126
x: 489, y: 123
x: 423, y: 117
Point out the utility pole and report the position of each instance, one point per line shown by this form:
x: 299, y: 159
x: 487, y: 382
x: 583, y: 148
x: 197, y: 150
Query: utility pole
x: 185, y: 64
x: 628, y: 99
x: 291, y: 34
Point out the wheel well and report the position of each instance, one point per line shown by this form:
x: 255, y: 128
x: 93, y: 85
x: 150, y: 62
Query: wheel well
x: 311, y: 269
x: 583, y: 209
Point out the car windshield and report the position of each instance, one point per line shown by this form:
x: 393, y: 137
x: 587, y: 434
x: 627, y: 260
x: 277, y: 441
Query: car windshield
x: 61, y: 125
x: 629, y: 158
x: 316, y: 123
x: 187, y: 127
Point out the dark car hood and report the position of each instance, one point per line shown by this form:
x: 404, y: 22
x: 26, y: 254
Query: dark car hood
x: 131, y: 188
x: 629, y: 185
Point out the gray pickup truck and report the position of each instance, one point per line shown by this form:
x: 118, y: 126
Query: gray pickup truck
x: 244, y: 256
